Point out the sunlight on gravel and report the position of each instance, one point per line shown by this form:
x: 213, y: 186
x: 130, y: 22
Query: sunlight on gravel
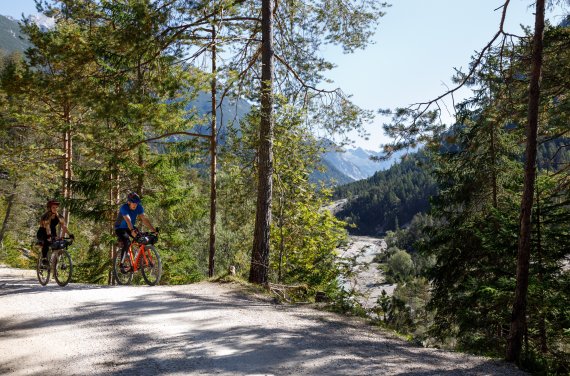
x: 198, y: 329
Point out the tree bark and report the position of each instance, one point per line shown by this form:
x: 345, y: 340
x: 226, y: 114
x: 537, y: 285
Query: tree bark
x: 281, y: 224
x: 66, y: 178
x: 518, y: 318
x: 213, y: 161
x: 114, y: 197
x: 542, y: 316
x: 10, y: 204
x: 140, y: 177
x: 67, y: 163
x: 259, y: 269
x: 494, y: 167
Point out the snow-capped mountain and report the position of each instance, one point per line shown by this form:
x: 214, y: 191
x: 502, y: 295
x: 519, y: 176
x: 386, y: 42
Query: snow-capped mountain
x: 356, y: 163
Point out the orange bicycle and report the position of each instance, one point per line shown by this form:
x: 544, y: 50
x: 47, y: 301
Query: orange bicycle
x: 141, y: 255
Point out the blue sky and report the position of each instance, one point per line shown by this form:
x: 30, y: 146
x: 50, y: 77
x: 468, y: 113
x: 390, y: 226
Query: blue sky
x: 15, y: 8
x: 416, y: 47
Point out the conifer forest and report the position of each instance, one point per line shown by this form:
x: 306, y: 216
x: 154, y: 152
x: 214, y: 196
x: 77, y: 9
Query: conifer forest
x: 216, y: 114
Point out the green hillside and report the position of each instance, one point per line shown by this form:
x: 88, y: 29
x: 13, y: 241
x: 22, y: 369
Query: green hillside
x: 389, y: 198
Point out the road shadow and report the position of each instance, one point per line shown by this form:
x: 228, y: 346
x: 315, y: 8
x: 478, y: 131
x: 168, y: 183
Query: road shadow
x: 26, y: 282
x: 205, y: 330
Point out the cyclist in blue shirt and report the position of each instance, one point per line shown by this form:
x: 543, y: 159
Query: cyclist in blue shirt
x: 125, y: 223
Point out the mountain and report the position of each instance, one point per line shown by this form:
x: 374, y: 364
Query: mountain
x: 340, y: 166
x: 44, y: 22
x: 331, y: 175
x: 388, y: 199
x: 356, y: 164
x: 11, y: 37
x: 230, y: 112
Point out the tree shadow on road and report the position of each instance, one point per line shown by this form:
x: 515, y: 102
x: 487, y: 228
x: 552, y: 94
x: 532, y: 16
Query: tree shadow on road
x: 28, y: 284
x: 202, y: 329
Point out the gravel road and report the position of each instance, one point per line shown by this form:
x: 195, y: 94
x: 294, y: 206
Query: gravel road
x: 198, y: 329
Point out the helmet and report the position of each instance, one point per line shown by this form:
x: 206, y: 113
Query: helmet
x: 52, y: 202
x: 134, y: 198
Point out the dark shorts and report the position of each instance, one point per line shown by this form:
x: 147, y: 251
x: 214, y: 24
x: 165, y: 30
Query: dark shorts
x: 124, y: 236
x: 43, y: 240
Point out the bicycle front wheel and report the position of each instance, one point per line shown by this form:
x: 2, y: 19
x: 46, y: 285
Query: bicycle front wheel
x: 43, y: 272
x: 63, y: 268
x: 124, y: 276
x: 152, y: 266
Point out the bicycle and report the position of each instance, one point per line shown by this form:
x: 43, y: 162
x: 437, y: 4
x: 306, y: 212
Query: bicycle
x: 59, y: 259
x: 145, y: 258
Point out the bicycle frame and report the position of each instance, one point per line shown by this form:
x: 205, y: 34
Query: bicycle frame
x: 135, y: 260
x: 141, y: 256
x: 53, y: 254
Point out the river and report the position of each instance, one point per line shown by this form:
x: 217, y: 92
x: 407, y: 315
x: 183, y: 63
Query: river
x: 368, y: 280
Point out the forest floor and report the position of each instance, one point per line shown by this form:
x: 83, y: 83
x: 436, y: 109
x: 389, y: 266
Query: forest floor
x: 199, y: 329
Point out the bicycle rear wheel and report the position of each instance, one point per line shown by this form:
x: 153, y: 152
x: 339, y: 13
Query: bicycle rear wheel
x: 63, y: 268
x: 122, y: 278
x: 43, y: 272
x: 152, y: 267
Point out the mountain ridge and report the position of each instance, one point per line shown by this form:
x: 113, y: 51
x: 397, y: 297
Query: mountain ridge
x: 11, y: 37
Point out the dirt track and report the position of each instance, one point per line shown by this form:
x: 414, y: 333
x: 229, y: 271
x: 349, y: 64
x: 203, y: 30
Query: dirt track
x: 198, y: 329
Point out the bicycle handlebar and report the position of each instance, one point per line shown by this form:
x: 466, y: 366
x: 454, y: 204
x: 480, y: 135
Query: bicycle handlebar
x: 61, y: 243
x: 147, y: 237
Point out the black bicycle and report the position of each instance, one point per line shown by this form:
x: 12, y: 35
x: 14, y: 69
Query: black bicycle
x: 59, y: 260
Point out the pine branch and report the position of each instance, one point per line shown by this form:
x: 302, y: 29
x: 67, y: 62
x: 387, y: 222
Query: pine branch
x: 303, y: 83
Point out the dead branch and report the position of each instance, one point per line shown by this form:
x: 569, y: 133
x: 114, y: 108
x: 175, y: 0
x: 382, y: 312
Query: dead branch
x: 473, y: 68
x: 284, y: 291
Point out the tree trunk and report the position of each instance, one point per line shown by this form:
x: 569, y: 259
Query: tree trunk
x: 140, y: 90
x: 518, y: 318
x: 494, y: 166
x: 213, y: 157
x: 10, y: 204
x: 281, y: 225
x: 259, y: 269
x: 66, y: 181
x: 140, y: 177
x: 67, y: 163
x: 542, y: 317
x: 114, y: 198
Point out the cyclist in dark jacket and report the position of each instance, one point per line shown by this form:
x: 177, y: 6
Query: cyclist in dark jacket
x: 125, y: 223
x: 47, y: 233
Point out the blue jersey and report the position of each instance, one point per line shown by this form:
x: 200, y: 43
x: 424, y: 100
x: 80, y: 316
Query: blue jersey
x: 132, y: 214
